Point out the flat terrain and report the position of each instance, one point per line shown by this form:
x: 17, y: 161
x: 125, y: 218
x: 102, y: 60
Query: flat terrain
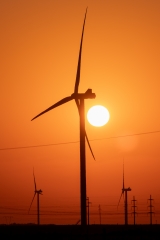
x: 77, y: 232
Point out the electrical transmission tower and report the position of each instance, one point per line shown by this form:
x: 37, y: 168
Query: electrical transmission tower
x: 134, y: 209
x: 88, y: 202
x: 150, y: 208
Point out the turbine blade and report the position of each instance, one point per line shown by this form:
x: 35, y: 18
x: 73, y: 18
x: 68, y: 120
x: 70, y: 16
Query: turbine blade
x: 120, y: 199
x: 89, y: 145
x: 77, y: 103
x: 123, y: 174
x: 64, y: 100
x: 79, y: 59
x: 34, y: 180
x: 32, y: 202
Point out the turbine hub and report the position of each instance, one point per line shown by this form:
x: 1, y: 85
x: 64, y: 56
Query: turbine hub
x: 39, y: 191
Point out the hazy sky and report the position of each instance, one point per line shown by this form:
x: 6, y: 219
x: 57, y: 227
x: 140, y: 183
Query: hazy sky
x: 39, y: 48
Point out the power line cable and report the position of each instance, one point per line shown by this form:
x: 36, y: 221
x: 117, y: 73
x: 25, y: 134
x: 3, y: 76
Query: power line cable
x: 54, y: 144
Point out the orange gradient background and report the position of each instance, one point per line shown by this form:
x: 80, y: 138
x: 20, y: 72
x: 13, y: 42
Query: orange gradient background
x: 120, y: 61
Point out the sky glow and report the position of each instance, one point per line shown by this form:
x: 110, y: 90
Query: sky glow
x: 39, y: 46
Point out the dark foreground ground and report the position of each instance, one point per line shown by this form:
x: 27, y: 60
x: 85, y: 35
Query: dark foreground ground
x: 65, y: 232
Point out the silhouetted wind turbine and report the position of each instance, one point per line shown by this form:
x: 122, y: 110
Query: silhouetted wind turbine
x: 125, y: 190
x: 36, y: 192
x: 79, y: 99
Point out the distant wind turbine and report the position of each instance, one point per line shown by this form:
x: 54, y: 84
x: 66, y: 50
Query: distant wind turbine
x: 125, y: 190
x: 79, y: 99
x: 38, y: 192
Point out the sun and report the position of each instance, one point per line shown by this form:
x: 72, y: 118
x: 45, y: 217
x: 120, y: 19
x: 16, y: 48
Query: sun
x: 98, y: 115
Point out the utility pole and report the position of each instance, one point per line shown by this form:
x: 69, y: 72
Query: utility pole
x: 134, y: 209
x: 99, y: 213
x: 150, y: 207
x: 88, y: 202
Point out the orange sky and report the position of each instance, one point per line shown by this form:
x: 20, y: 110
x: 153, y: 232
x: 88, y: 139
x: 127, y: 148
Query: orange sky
x: 120, y: 62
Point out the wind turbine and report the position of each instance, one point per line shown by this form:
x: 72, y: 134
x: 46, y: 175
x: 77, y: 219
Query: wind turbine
x: 79, y: 99
x: 125, y: 190
x: 38, y: 192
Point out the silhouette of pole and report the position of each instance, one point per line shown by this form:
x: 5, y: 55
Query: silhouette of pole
x: 125, y: 190
x: 88, y: 208
x: 38, y: 218
x: 88, y: 202
x: 150, y: 207
x: 126, y: 208
x: 134, y: 209
x: 82, y: 164
x: 100, y: 214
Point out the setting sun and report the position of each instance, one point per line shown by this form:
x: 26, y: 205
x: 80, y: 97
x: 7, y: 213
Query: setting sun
x: 98, y: 116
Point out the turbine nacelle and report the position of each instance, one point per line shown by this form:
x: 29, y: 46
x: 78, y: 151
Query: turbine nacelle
x: 126, y: 189
x: 88, y: 94
x: 39, y: 191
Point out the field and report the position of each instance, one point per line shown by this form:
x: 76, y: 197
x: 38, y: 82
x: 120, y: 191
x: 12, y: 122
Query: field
x: 66, y: 232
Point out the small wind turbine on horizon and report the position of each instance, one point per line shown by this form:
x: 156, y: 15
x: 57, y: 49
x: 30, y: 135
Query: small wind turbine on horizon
x: 125, y: 190
x: 79, y: 99
x: 38, y: 192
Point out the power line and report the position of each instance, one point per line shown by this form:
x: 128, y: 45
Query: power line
x: 54, y: 144
x: 34, y: 146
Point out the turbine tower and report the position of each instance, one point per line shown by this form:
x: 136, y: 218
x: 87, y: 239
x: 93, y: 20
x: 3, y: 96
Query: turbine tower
x: 38, y: 192
x: 125, y: 191
x: 79, y: 99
